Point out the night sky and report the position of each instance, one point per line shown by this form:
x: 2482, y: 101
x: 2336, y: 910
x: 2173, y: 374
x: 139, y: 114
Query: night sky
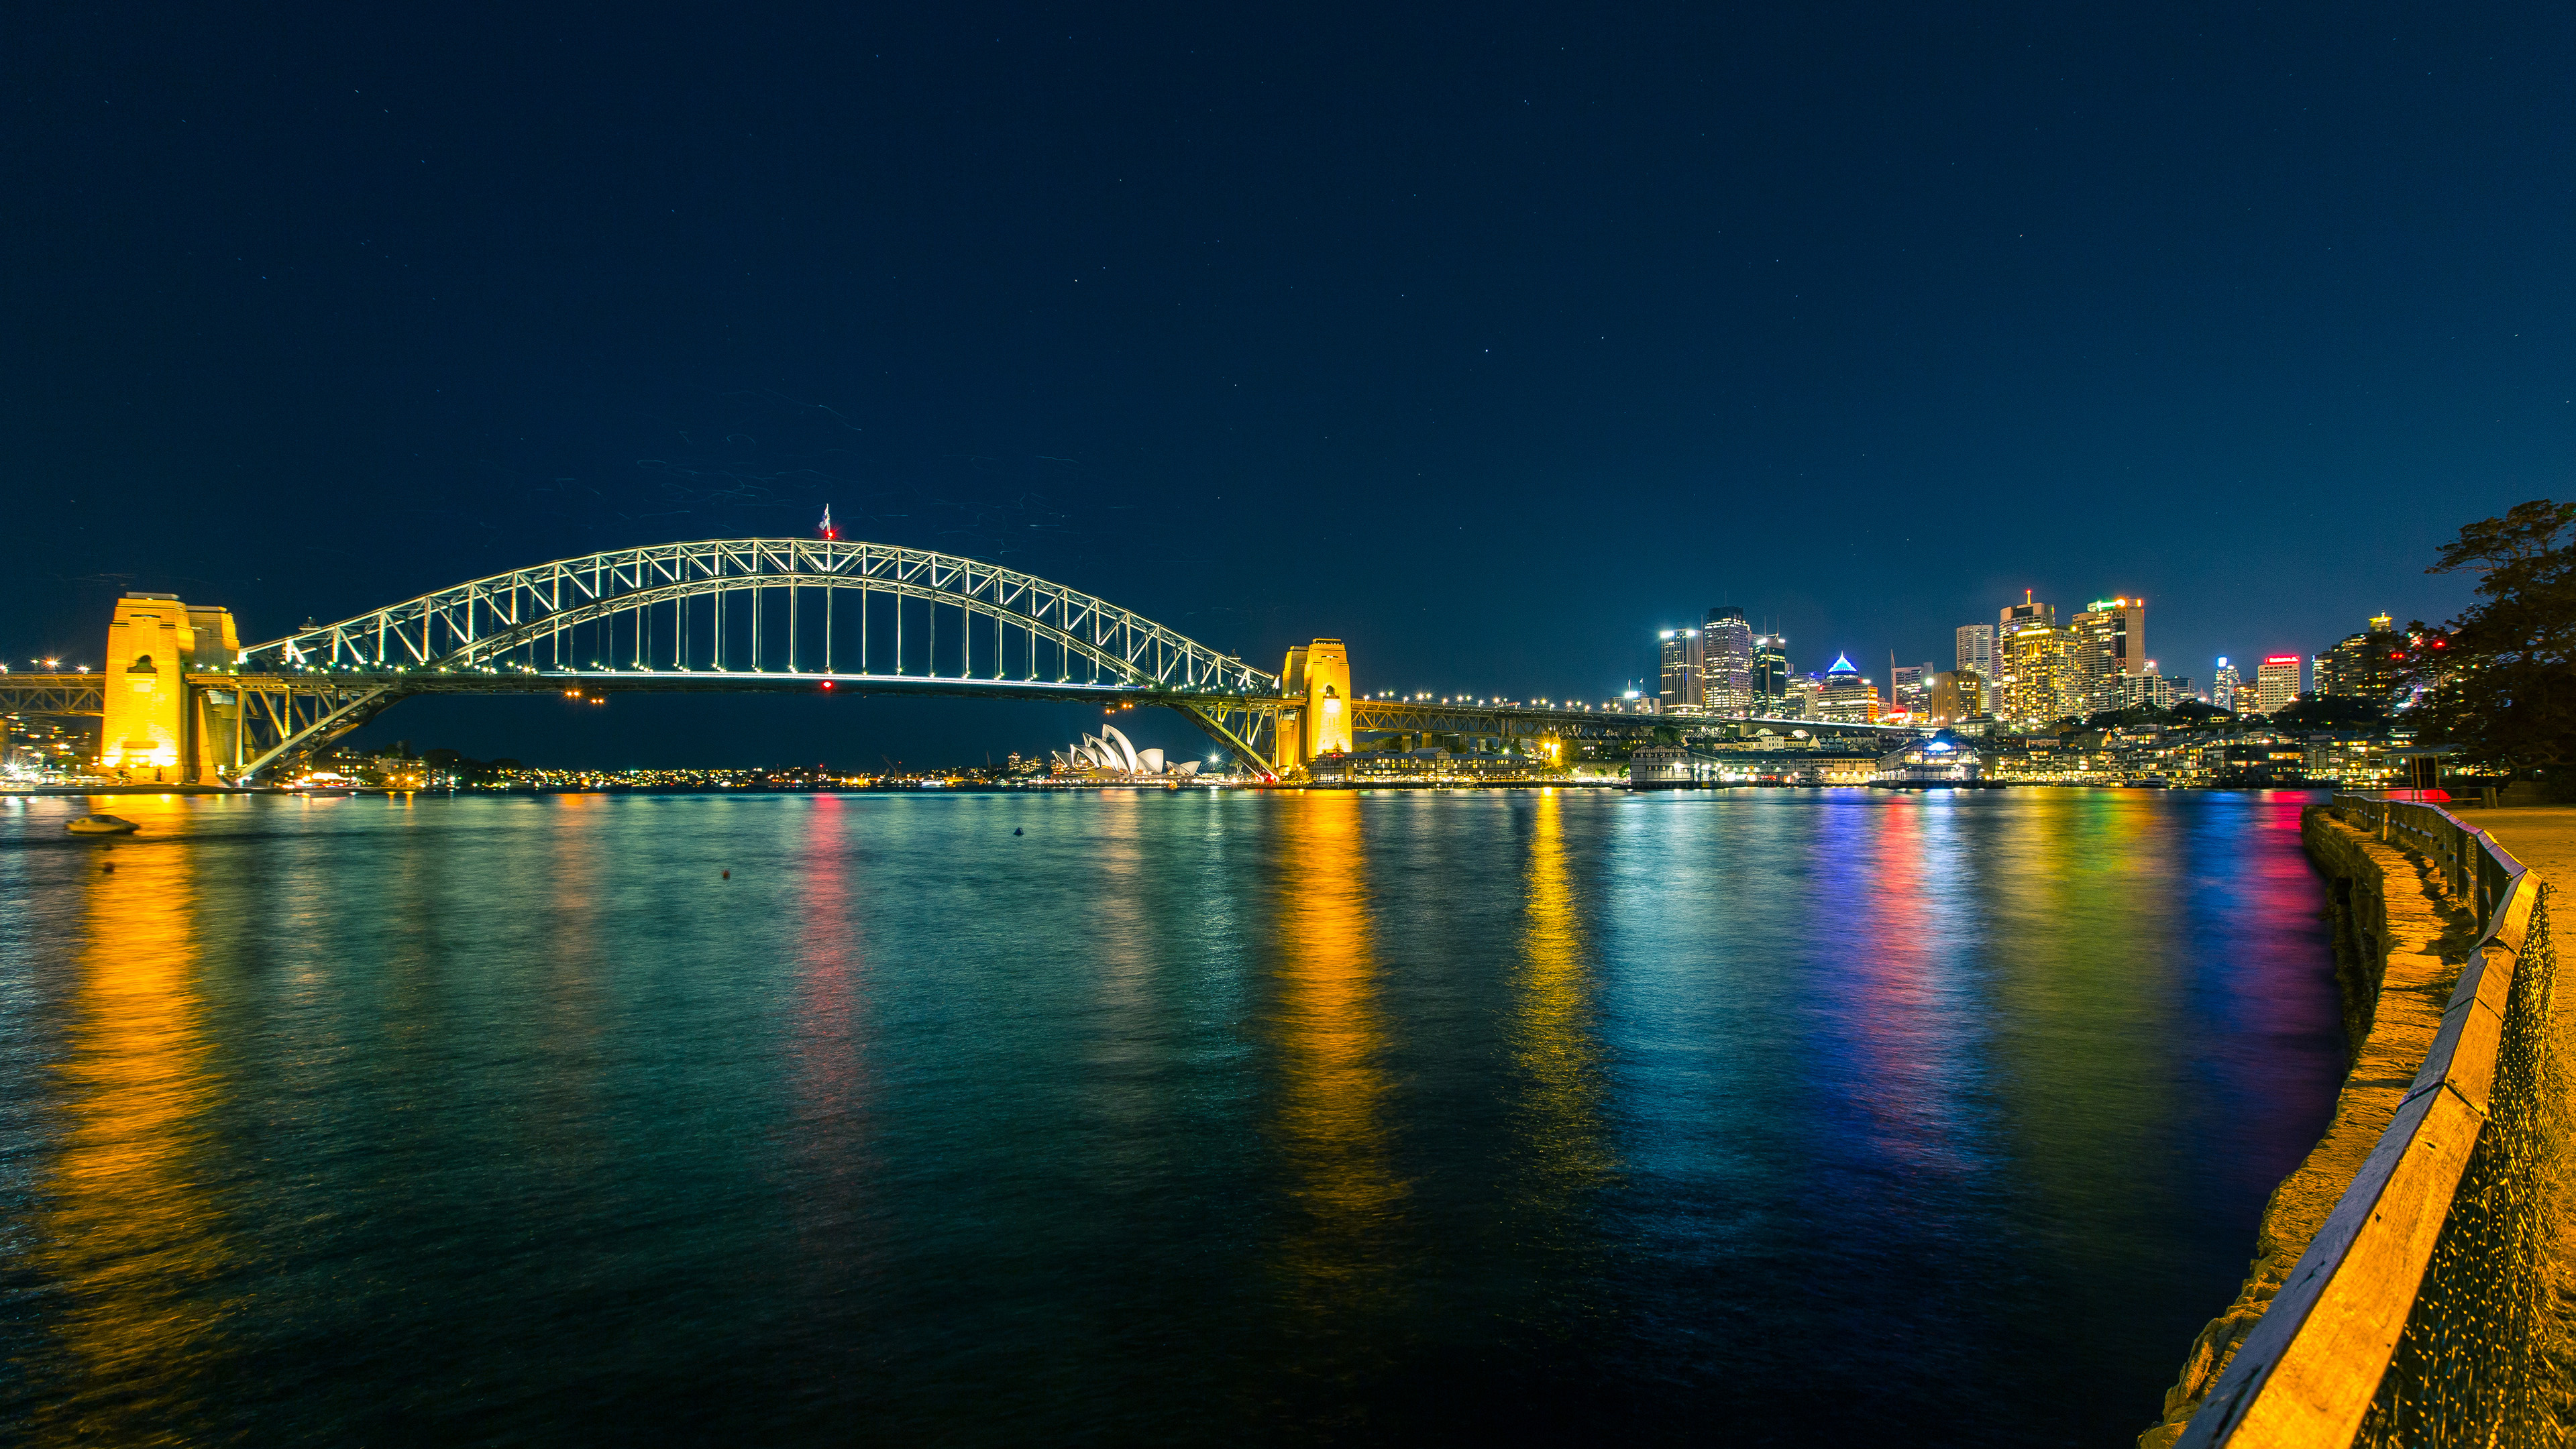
x: 1489, y: 341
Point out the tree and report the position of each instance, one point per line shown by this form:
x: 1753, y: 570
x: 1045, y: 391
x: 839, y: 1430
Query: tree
x: 2500, y: 680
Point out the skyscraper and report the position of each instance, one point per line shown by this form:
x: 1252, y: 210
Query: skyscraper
x: 2033, y: 655
x: 2222, y: 685
x: 1909, y: 686
x: 2108, y: 643
x: 1770, y: 674
x: 1976, y: 649
x: 2276, y: 683
x: 1726, y: 646
x: 2025, y: 612
x: 1681, y: 669
x: 1954, y: 696
x: 2364, y: 665
x: 1846, y: 696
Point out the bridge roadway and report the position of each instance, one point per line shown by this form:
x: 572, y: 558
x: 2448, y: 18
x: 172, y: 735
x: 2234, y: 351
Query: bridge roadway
x: 298, y: 702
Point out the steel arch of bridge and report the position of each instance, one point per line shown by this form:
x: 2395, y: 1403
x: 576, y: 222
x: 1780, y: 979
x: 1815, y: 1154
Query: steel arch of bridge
x: 768, y: 614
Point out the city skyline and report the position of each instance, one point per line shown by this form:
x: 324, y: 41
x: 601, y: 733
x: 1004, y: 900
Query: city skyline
x: 1401, y: 340
x: 2097, y: 661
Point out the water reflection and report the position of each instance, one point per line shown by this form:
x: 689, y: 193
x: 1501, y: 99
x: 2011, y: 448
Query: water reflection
x: 1558, y: 1121
x: 1914, y: 1023
x: 832, y: 1088
x: 1331, y: 1122
x: 130, y: 1240
x: 2083, y: 1022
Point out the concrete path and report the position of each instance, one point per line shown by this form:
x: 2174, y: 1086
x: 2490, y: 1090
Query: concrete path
x: 2542, y: 837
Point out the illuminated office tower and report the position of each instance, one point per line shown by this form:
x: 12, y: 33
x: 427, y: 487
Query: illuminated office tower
x: 1847, y: 697
x: 1801, y: 702
x: 1770, y: 674
x: 2034, y: 664
x: 1909, y: 687
x: 1726, y: 650
x: 2365, y: 665
x: 2026, y: 612
x: 1955, y: 695
x: 1976, y: 649
x: 2276, y: 683
x: 2109, y: 644
x: 2222, y: 685
x: 1681, y: 669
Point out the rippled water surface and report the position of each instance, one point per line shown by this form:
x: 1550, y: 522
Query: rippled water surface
x: 1777, y: 1116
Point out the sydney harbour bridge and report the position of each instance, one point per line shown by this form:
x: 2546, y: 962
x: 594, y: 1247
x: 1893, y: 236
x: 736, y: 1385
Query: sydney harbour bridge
x: 184, y: 702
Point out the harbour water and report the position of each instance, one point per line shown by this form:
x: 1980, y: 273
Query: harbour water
x: 1750, y: 1117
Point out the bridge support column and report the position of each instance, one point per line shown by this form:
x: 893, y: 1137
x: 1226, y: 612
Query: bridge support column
x: 1328, y: 698
x: 155, y: 730
x: 158, y: 728
x: 1317, y: 677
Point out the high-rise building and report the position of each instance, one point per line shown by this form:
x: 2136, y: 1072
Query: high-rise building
x: 2364, y: 665
x: 1909, y: 687
x: 2128, y: 691
x: 2025, y: 612
x: 1681, y: 669
x: 2276, y: 683
x: 2108, y: 643
x: 1975, y: 649
x: 2222, y: 685
x: 1770, y: 674
x: 1846, y: 695
x: 1801, y: 701
x: 2034, y: 666
x: 1955, y: 695
x: 1726, y: 646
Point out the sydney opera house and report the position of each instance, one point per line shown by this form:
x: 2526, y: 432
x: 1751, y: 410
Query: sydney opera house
x: 1110, y: 755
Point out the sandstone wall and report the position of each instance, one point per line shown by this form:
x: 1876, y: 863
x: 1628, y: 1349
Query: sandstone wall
x: 2400, y: 940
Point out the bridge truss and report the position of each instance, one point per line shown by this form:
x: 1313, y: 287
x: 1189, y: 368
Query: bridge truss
x: 737, y: 614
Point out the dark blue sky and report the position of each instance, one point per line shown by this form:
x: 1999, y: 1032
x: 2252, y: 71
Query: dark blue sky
x: 1488, y: 341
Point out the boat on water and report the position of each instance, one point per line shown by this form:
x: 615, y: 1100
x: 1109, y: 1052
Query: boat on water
x: 100, y: 825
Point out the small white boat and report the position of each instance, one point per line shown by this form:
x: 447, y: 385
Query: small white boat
x: 100, y: 825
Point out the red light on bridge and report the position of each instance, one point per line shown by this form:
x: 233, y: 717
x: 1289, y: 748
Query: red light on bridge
x: 827, y: 684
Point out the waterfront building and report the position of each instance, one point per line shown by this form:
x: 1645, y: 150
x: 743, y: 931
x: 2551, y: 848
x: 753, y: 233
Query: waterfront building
x: 2277, y: 683
x: 1726, y: 647
x: 1935, y: 761
x: 1770, y: 676
x: 2222, y: 685
x: 1681, y: 669
x: 1668, y: 767
x: 1847, y: 696
x: 1110, y: 753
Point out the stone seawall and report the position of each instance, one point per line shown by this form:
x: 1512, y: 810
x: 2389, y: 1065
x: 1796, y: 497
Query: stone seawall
x: 2400, y: 940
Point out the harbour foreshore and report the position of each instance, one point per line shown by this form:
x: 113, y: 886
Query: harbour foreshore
x: 2401, y: 936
